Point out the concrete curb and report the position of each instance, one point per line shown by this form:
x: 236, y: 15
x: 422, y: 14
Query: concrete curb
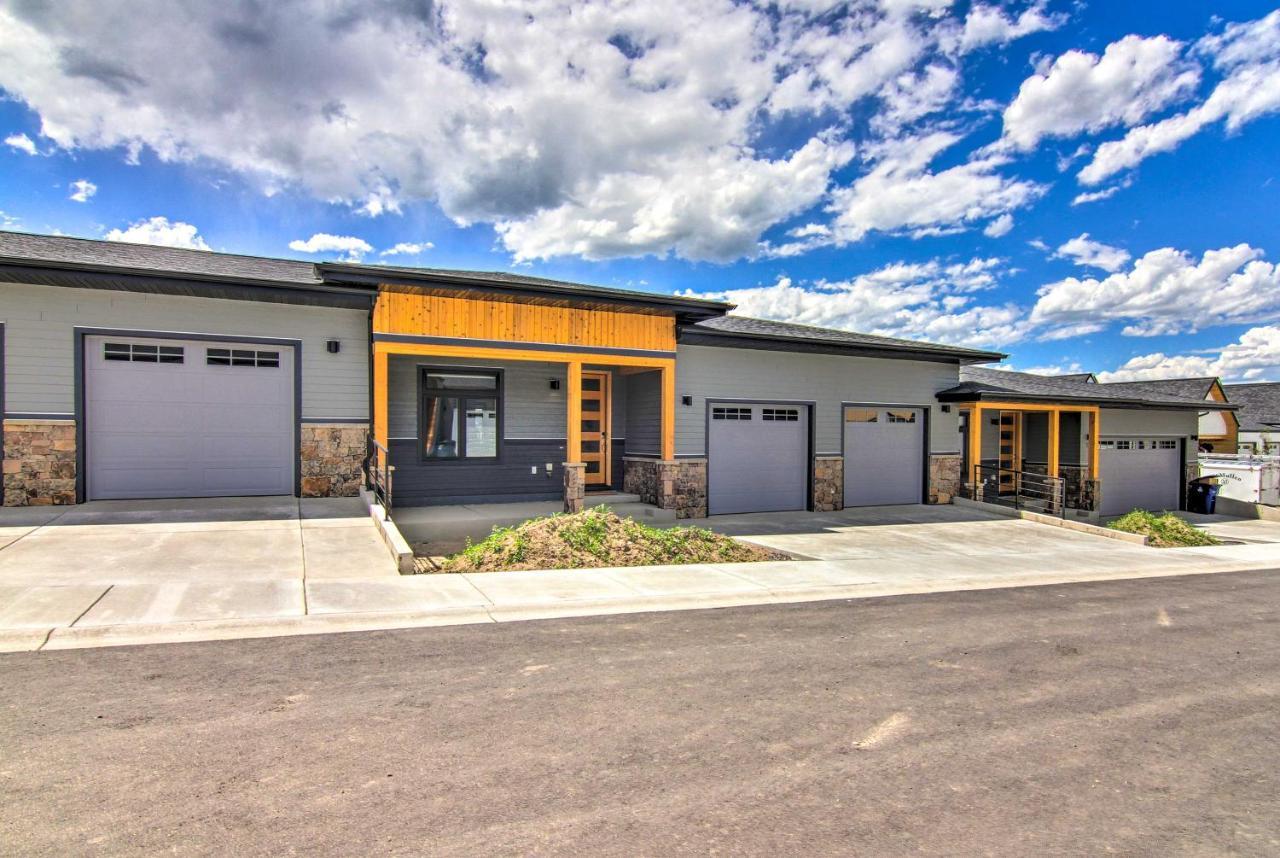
x: 1054, y: 521
x: 31, y: 640
x: 401, y: 553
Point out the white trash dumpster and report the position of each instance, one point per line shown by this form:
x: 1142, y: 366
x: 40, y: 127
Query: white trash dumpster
x: 1252, y: 479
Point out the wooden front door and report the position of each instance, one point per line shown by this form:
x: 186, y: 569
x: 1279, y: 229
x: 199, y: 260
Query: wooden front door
x: 596, y: 426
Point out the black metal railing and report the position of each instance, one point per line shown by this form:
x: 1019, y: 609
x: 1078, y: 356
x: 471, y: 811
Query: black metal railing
x: 1020, y: 489
x: 378, y: 472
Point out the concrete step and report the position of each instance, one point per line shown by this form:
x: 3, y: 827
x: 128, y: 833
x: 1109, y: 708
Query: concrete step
x: 644, y: 513
x: 613, y: 499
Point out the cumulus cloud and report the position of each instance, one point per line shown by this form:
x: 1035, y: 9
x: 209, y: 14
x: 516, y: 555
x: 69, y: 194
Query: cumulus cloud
x: 1249, y: 55
x: 82, y: 190
x: 350, y: 247
x: 1081, y: 92
x: 989, y: 25
x: 1166, y: 291
x: 1094, y: 196
x: 1083, y: 250
x: 407, y: 248
x: 1000, y: 226
x: 159, y: 230
x: 931, y: 301
x: 22, y: 143
x: 1254, y: 357
x: 900, y: 193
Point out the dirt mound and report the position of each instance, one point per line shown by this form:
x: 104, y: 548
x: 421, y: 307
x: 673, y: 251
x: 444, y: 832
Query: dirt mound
x: 597, y: 538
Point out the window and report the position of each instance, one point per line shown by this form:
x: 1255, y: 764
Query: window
x: 1168, y: 445
x: 1106, y: 445
x: 1124, y: 445
x: 861, y: 415
x: 901, y: 416
x: 241, y: 357
x: 459, y: 414
x: 788, y: 415
x: 139, y: 353
x: 730, y: 413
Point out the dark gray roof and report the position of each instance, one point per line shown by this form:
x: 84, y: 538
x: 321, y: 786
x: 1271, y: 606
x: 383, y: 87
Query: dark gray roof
x: 62, y: 251
x: 986, y: 383
x: 1078, y: 376
x: 1258, y: 405
x: 743, y: 326
x: 1179, y: 388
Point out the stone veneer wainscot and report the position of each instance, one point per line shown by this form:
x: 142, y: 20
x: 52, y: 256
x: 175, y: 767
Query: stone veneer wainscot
x: 39, y: 462
x: 944, y: 477
x: 828, y: 483
x: 332, y: 459
x: 679, y: 484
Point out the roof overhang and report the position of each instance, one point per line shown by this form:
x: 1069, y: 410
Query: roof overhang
x: 125, y: 279
x: 684, y: 309
x: 996, y: 397
x: 766, y: 342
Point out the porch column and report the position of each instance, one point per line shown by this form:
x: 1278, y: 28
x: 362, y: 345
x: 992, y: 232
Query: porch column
x: 574, y: 468
x: 380, y: 359
x: 1095, y: 442
x: 1054, y: 431
x: 975, y: 446
x: 669, y: 411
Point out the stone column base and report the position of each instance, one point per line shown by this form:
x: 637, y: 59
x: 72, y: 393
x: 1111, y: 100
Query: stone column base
x: 575, y: 486
x: 332, y: 459
x: 828, y: 483
x: 39, y: 462
x: 944, y: 477
x: 677, y: 484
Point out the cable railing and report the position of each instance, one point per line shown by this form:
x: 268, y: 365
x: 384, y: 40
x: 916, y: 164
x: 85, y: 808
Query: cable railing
x: 378, y: 472
x: 1020, y: 489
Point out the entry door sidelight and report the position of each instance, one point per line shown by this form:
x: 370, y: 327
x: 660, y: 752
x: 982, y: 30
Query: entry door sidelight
x: 596, y: 420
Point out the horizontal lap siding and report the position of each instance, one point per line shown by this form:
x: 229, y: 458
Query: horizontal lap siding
x: 709, y: 373
x: 644, y: 414
x: 509, y: 321
x: 40, y: 357
x: 419, y: 483
x: 1118, y: 421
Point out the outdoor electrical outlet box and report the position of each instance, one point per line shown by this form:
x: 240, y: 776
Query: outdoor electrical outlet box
x: 548, y: 467
x: 533, y: 469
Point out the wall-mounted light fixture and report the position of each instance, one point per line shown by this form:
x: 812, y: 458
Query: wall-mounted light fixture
x: 333, y: 347
x: 686, y: 400
x: 555, y: 384
x: 946, y: 409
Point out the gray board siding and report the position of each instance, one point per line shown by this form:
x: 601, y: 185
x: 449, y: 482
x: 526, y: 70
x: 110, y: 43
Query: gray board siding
x: 708, y: 373
x: 1136, y: 422
x: 40, y: 323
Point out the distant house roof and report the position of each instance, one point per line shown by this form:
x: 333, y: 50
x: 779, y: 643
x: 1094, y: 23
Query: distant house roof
x: 1257, y: 405
x: 1181, y: 388
x: 984, y: 383
x: 1078, y: 376
x: 786, y: 336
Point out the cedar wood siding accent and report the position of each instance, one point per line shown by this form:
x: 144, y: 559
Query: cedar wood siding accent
x: 41, y: 355
x: 709, y: 373
x: 419, y: 314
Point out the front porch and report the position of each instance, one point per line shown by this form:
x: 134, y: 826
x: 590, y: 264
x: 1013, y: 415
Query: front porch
x: 1039, y: 456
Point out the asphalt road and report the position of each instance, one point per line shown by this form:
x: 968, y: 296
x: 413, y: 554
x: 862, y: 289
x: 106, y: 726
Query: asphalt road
x: 1138, y: 717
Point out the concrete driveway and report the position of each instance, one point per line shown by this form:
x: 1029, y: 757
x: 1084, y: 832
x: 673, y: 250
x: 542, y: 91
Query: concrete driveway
x: 113, y: 562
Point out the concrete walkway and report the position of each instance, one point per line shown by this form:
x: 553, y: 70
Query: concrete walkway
x: 857, y: 553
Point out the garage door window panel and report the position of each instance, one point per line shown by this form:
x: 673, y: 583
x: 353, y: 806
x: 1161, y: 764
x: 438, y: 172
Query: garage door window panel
x: 459, y: 416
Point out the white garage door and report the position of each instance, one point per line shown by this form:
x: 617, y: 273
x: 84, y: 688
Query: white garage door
x: 186, y: 418
x: 1140, y: 473
x: 757, y: 458
x: 883, y: 455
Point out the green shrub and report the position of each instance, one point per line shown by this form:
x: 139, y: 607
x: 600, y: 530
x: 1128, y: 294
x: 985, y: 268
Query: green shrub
x: 1163, y: 531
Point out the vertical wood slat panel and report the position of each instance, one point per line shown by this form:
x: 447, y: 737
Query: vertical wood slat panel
x: 431, y: 315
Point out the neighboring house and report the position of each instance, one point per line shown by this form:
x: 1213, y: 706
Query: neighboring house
x: 133, y: 371
x: 1259, y: 416
x: 1087, y: 377
x: 1115, y: 449
x: 1217, y: 429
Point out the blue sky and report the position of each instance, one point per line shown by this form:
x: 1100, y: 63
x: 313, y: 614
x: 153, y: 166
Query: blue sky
x: 907, y: 167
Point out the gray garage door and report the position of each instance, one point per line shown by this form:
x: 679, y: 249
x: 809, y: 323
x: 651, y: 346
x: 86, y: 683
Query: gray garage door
x: 883, y: 455
x: 1140, y: 473
x: 182, y: 418
x: 757, y: 458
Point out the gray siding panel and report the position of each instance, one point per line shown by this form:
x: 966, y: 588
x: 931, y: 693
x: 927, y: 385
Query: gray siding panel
x: 718, y: 373
x: 644, y: 414
x: 40, y: 359
x: 1118, y: 421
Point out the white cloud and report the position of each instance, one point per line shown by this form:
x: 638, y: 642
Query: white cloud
x: 1080, y: 92
x: 1083, y: 250
x: 82, y: 190
x: 351, y: 247
x: 22, y: 143
x: 1166, y: 292
x: 1254, y: 357
x: 989, y: 25
x: 929, y: 301
x: 1000, y: 226
x: 407, y: 248
x: 159, y: 230
x: 901, y: 194
x: 1094, y: 196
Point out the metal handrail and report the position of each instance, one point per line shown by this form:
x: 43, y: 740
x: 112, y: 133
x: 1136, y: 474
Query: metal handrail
x: 378, y: 472
x: 1020, y: 489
